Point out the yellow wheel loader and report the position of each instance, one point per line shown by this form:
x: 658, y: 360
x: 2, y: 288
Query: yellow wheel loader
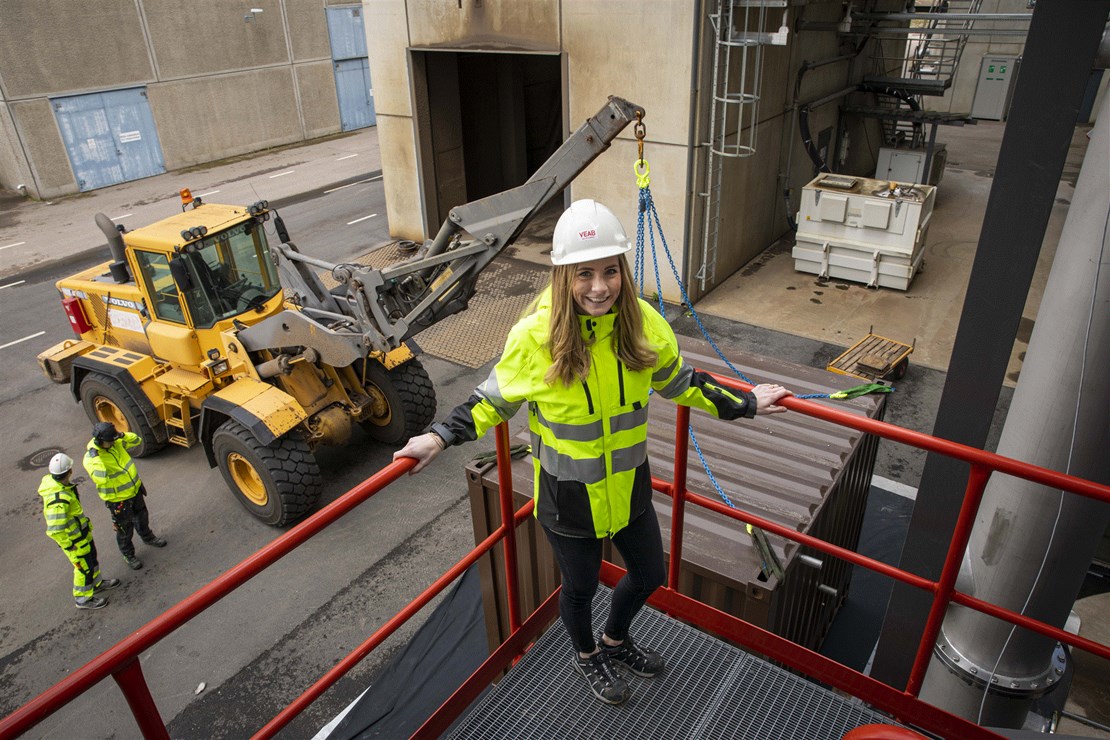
x: 201, y: 331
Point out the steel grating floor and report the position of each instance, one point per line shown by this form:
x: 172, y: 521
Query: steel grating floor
x: 708, y: 690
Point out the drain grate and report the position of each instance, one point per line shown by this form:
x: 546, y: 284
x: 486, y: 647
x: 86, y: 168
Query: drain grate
x: 709, y: 690
x: 475, y: 336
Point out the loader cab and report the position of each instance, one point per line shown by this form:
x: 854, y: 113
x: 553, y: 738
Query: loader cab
x: 223, y: 276
x: 223, y: 272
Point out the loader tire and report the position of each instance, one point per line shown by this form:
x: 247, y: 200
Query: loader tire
x: 410, y: 401
x: 105, y: 399
x: 277, y: 483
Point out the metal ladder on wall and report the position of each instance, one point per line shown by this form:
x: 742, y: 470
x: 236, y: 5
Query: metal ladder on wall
x: 737, y: 76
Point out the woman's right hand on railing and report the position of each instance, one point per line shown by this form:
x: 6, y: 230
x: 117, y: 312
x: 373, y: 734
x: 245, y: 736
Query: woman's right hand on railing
x: 423, y: 448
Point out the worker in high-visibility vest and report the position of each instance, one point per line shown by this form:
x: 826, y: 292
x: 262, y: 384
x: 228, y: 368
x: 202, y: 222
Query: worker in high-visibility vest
x: 67, y: 525
x: 117, y: 482
x: 585, y: 361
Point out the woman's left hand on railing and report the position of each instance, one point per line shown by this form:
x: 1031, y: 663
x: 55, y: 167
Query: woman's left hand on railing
x: 766, y: 396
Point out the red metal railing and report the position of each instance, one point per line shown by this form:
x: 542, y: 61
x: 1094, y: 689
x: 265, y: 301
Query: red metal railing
x: 121, y: 661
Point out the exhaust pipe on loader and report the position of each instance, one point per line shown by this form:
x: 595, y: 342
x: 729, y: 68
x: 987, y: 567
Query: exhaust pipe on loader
x: 118, y: 268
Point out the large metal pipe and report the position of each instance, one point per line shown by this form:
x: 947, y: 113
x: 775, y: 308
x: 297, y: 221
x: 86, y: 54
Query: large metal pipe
x: 1031, y: 547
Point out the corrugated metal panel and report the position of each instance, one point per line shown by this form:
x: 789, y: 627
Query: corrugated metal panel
x: 801, y: 472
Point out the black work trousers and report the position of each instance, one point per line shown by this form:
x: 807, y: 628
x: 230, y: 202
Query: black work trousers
x: 579, y: 559
x: 130, y: 516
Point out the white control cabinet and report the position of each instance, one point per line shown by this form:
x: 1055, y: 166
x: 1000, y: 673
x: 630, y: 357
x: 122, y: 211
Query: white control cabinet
x: 863, y: 230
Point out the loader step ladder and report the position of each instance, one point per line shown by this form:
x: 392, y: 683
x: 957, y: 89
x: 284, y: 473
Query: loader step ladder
x: 177, y: 412
x: 709, y: 689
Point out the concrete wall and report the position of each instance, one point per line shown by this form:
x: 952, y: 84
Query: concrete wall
x: 643, y: 52
x: 218, y: 84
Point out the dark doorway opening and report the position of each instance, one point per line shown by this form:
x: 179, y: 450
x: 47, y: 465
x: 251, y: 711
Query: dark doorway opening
x: 485, y: 123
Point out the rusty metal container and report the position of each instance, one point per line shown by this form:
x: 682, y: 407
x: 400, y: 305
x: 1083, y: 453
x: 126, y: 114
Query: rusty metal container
x: 798, y: 471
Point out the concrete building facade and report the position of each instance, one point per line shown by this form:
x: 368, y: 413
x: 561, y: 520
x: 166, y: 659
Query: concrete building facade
x: 212, y: 78
x: 568, y: 56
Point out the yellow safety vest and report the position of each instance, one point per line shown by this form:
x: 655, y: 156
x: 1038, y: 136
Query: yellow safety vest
x: 112, y: 470
x: 589, y: 440
x: 66, y: 522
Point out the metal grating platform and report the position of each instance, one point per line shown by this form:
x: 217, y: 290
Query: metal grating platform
x: 709, y: 690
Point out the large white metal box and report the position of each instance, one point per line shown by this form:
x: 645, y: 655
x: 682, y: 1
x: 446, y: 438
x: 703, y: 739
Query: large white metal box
x: 908, y: 165
x: 863, y: 230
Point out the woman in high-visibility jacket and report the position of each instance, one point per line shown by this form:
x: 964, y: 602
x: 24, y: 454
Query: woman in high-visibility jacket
x: 585, y: 361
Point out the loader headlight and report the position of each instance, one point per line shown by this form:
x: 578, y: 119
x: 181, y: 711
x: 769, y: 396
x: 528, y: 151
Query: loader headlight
x: 218, y: 368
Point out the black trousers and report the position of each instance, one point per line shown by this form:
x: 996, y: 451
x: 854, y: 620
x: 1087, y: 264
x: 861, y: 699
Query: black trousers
x: 129, y: 516
x: 579, y: 559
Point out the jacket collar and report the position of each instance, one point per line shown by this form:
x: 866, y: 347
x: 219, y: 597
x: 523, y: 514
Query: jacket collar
x: 598, y: 327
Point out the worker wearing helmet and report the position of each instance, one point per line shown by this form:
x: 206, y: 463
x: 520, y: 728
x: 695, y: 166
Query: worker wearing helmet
x: 585, y: 361
x: 67, y: 525
x: 117, y: 481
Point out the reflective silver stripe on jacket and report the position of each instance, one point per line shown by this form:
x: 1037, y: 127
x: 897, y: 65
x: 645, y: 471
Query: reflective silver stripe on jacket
x: 629, y: 458
x: 628, y: 420
x: 491, y: 392
x: 588, y: 432
x: 564, y: 467
x: 664, y: 372
x: 679, y: 384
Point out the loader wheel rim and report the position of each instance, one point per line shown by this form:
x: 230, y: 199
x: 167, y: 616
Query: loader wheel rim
x: 107, y: 410
x: 381, y: 414
x: 247, y: 479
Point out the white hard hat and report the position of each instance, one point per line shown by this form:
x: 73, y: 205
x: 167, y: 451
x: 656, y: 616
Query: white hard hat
x: 585, y: 232
x: 61, y: 464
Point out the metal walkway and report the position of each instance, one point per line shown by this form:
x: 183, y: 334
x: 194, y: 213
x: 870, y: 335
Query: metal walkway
x: 708, y: 690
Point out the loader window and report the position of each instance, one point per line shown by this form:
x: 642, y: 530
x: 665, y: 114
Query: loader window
x: 232, y: 274
x: 160, y: 286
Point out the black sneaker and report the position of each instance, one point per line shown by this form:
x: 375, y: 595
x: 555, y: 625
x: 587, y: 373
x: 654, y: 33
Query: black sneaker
x: 639, y: 660
x: 106, y: 584
x: 604, y: 682
x: 132, y: 562
x: 93, y: 602
x: 156, y: 542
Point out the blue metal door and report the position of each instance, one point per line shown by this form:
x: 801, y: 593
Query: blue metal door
x: 352, y: 69
x: 110, y: 137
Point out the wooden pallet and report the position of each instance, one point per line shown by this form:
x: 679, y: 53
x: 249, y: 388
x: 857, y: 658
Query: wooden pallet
x: 873, y: 357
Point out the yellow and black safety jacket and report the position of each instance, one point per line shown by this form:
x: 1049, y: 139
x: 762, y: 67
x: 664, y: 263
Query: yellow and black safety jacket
x: 66, y: 522
x: 589, y: 440
x: 112, y: 470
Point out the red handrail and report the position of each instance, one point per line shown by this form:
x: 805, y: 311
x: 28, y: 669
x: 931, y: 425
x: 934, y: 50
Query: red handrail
x: 121, y: 663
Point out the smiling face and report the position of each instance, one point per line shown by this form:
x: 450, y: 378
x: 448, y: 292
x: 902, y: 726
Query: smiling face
x: 596, y: 285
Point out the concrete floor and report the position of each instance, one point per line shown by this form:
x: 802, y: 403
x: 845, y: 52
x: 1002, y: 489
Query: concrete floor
x: 769, y: 293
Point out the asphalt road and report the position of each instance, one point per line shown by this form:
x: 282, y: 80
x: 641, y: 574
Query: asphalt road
x: 257, y: 650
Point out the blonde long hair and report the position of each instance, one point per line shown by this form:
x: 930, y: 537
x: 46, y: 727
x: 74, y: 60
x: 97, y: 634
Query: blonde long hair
x: 569, y: 350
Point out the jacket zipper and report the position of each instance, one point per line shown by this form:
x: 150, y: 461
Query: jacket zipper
x: 620, y: 380
x: 589, y: 398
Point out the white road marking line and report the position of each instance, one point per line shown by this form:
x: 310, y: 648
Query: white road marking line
x: 893, y: 486
x: 352, y: 184
x: 210, y: 192
x: 9, y: 344
x: 11, y: 285
x: 282, y: 174
x: 351, y: 223
x: 16, y: 244
x: 346, y: 157
x: 117, y: 218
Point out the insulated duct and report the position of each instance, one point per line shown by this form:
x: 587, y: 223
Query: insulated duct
x: 1030, y: 548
